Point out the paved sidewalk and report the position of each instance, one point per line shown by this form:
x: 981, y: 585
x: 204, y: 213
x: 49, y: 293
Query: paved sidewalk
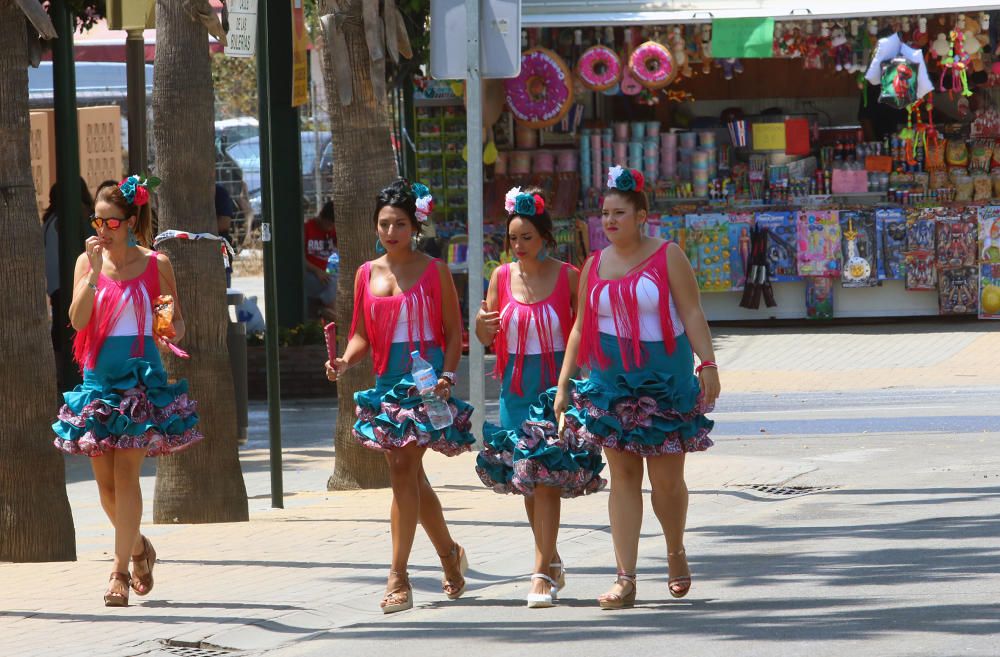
x: 901, y: 557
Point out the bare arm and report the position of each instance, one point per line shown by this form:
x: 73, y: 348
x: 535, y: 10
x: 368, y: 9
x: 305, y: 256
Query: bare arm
x: 488, y: 318
x: 569, y: 368
x: 451, y: 317
x: 357, y: 346
x: 687, y: 298
x: 168, y: 282
x: 82, y: 306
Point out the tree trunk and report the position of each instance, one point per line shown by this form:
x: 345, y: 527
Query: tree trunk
x: 363, y: 164
x: 205, y: 483
x: 36, y: 523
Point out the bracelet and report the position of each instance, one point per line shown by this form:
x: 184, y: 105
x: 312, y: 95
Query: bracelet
x: 704, y: 364
x: 449, y: 377
x: 92, y: 287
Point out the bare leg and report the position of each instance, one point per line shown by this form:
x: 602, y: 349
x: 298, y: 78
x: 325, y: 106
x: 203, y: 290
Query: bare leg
x: 529, y: 509
x: 432, y: 520
x: 625, y: 511
x: 547, y: 506
x: 670, y: 503
x: 404, y: 469
x: 127, y: 505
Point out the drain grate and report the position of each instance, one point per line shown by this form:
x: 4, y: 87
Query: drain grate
x: 191, y: 649
x: 786, y: 491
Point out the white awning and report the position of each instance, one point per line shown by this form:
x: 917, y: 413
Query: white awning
x: 580, y: 13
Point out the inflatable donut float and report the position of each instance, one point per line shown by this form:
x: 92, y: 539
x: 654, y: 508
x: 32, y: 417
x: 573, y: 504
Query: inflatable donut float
x: 599, y: 68
x: 652, y: 65
x: 543, y: 93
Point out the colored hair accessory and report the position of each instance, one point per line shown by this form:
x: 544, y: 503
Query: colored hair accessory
x: 425, y: 202
x: 625, y: 180
x: 136, y: 188
x: 511, y: 199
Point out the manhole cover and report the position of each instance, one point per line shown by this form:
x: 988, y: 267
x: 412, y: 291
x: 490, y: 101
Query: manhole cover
x: 191, y: 649
x: 785, y: 491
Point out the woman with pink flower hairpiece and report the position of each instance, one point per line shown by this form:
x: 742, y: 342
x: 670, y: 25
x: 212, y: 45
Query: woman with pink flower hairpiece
x: 406, y: 302
x: 639, y: 326
x: 526, y: 316
x: 126, y: 408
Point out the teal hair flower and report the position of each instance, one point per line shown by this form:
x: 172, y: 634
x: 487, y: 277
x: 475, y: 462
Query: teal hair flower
x: 420, y: 190
x: 524, y: 205
x: 625, y: 181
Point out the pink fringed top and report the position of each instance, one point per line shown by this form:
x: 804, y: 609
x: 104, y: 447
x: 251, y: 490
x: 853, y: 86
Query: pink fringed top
x: 528, y: 327
x: 380, y: 314
x: 113, y: 298
x: 625, y: 311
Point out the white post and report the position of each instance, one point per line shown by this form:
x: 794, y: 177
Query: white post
x: 474, y: 135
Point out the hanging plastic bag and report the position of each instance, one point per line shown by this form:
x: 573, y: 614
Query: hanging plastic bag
x: 898, y: 83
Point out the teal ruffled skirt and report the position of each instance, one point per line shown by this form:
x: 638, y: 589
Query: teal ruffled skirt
x: 392, y: 415
x: 127, y: 403
x: 650, y: 411
x: 525, y: 451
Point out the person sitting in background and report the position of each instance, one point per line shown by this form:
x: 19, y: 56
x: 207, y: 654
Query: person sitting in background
x: 321, y: 242
x: 225, y: 209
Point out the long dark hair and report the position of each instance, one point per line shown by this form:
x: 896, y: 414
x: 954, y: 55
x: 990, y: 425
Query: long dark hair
x: 85, y: 199
x: 399, y: 195
x: 542, y: 221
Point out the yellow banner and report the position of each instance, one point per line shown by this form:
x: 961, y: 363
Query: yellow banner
x: 769, y: 136
x: 300, y: 55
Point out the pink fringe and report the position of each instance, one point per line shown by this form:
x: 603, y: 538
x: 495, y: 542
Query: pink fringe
x: 526, y: 314
x: 108, y: 309
x: 625, y: 311
x: 380, y: 314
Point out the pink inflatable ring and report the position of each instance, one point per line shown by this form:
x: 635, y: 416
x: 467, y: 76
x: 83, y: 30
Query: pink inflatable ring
x: 652, y: 65
x: 543, y: 93
x: 599, y: 68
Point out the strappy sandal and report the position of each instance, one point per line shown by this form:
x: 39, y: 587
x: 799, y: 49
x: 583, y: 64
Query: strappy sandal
x: 679, y: 586
x: 452, y: 590
x: 619, y: 600
x: 542, y: 600
x: 399, y: 598
x: 560, y: 579
x: 149, y: 557
x: 113, y: 598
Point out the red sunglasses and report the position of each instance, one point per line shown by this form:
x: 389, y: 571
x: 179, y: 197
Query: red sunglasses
x: 113, y: 223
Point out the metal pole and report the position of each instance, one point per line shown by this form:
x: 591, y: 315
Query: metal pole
x: 474, y: 135
x: 270, y: 289
x: 135, y: 67
x: 68, y: 204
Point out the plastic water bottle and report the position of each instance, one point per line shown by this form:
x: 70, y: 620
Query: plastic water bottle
x: 333, y: 264
x: 425, y: 378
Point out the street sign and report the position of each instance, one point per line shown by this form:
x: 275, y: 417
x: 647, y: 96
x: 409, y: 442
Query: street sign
x: 242, y: 34
x: 499, y: 39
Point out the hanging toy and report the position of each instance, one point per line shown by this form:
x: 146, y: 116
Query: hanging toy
x: 730, y: 67
x: 705, y: 48
x: 956, y: 64
x: 652, y: 65
x: 678, y: 48
x: 920, y: 37
x: 840, y: 49
x: 599, y: 68
x: 543, y: 93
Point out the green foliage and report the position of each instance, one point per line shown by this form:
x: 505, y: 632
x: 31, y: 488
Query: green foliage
x: 304, y: 334
x: 235, y: 80
x: 87, y: 12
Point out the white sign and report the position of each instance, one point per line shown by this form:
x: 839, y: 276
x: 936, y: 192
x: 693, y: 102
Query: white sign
x: 499, y: 39
x: 242, y: 34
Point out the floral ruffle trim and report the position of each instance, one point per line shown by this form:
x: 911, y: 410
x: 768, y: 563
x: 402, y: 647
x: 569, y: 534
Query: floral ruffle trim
x: 540, y: 457
x: 128, y: 421
x: 394, y: 425
x: 631, y: 415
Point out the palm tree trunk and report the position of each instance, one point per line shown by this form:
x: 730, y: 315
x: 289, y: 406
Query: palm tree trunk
x: 363, y: 164
x: 36, y: 523
x: 205, y: 483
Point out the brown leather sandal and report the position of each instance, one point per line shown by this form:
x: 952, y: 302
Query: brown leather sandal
x: 149, y: 557
x: 399, y: 598
x: 454, y: 590
x: 114, y: 598
x: 679, y: 586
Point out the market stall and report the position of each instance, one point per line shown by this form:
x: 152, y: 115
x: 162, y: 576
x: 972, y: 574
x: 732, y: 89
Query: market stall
x: 842, y: 167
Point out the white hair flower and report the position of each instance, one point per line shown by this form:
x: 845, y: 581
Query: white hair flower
x: 510, y: 199
x: 613, y: 174
x: 425, y: 206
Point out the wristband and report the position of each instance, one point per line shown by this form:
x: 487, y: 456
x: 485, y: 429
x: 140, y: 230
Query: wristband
x: 92, y: 287
x: 449, y: 377
x: 704, y: 364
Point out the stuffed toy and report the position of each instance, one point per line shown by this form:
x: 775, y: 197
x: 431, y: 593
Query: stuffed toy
x: 840, y: 49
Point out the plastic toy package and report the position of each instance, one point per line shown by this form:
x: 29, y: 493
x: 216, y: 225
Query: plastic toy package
x: 921, y: 272
x: 860, y: 249
x: 958, y: 293
x: 989, y: 291
x: 957, y: 241
x: 781, y: 245
x: 989, y: 234
x: 739, y: 248
x: 819, y: 297
x: 707, y: 242
x: 818, y: 247
x: 890, y: 224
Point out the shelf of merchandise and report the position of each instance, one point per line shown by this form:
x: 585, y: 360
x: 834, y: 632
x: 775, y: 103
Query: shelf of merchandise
x: 440, y: 139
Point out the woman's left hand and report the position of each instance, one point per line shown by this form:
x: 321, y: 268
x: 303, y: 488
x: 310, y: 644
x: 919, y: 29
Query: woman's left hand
x: 443, y: 389
x: 708, y: 378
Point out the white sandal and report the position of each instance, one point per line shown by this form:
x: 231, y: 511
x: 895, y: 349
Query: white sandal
x: 560, y: 579
x: 541, y: 600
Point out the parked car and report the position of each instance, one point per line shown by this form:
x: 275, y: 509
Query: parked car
x: 247, y: 154
x: 230, y: 131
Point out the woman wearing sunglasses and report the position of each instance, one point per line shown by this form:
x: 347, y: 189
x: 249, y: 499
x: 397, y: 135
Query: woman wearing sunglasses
x: 125, y: 409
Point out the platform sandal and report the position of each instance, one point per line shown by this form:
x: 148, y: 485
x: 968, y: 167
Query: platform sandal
x: 619, y: 600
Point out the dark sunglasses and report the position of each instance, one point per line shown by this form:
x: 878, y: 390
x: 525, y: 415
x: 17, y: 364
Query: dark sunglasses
x: 113, y: 223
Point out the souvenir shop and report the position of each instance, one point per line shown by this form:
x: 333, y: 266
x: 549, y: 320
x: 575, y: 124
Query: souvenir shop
x: 846, y: 166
